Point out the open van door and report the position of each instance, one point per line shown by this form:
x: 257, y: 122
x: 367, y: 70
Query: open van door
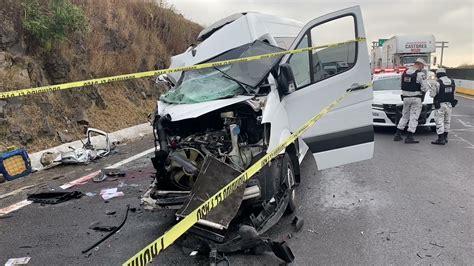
x: 345, y: 134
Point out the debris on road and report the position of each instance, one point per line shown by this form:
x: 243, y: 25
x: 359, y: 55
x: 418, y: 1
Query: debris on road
x: 110, y: 193
x: 297, y: 223
x: 17, y: 261
x: 436, y: 244
x: 110, y: 234
x: 14, y: 163
x: 54, y: 197
x: 109, y: 174
x: 313, y: 231
x: 104, y: 228
x: 83, y: 155
x: 110, y: 212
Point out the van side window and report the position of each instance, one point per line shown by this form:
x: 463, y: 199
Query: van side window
x: 329, y: 61
x: 300, y: 64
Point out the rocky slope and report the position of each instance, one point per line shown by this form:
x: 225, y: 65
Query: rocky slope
x: 123, y: 36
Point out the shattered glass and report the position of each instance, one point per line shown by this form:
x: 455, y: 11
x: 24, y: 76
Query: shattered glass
x: 225, y: 81
x: 201, y: 86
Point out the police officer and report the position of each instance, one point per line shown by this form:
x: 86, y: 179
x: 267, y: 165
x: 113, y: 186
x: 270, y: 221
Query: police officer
x: 443, y: 93
x: 414, y: 87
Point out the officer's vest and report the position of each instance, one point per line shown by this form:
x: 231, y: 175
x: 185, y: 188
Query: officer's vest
x: 446, y: 92
x: 409, y: 81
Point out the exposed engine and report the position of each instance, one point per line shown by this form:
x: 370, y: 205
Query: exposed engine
x: 232, y: 135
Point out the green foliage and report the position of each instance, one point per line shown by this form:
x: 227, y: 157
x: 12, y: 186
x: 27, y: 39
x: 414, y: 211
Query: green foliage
x: 52, y: 20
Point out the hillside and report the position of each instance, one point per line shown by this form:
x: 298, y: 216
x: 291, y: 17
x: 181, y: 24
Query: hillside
x: 114, y: 37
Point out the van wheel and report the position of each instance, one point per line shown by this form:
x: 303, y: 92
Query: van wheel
x: 288, y: 176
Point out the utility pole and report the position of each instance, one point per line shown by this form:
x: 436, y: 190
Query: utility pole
x: 443, y: 45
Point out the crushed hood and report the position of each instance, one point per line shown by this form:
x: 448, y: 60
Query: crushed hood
x: 393, y: 97
x: 185, y: 111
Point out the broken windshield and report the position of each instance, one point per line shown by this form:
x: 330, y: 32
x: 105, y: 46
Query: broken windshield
x: 225, y: 81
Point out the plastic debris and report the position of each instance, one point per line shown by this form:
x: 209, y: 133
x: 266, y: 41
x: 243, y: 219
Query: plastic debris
x: 297, y: 223
x: 110, y: 193
x: 54, y: 197
x: 17, y: 261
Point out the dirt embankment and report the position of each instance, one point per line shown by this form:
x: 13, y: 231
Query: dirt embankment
x: 122, y: 36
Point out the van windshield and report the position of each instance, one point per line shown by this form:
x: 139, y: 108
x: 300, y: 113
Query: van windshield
x: 225, y: 81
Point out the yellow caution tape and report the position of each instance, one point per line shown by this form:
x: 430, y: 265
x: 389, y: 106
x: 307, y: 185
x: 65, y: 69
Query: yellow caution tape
x: 153, y: 249
x: 99, y: 81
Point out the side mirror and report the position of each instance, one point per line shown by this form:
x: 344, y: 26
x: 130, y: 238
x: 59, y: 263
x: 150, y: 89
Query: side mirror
x: 286, y: 80
x: 164, y: 79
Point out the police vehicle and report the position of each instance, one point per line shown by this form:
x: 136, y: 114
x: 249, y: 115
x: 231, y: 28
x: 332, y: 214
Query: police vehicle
x: 387, y: 104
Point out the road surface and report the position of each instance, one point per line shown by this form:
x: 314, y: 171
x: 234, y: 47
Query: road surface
x: 411, y: 204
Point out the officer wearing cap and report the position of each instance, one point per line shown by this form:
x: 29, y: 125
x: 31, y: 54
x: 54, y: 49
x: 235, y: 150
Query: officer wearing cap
x: 414, y: 87
x: 442, y: 92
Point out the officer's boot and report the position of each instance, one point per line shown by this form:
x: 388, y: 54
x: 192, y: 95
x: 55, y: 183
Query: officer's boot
x: 410, y: 139
x: 398, y: 135
x: 440, y: 140
x: 446, y: 137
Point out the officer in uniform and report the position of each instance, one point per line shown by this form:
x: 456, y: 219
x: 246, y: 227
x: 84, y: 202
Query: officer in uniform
x: 414, y: 87
x: 442, y: 92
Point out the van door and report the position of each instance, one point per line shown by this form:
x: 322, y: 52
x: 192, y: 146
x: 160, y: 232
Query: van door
x: 344, y: 135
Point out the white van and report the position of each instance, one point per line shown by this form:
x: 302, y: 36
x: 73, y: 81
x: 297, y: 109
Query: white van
x: 214, y: 123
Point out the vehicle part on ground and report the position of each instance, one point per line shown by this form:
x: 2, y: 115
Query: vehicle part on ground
x: 111, y: 233
x: 54, y: 197
x: 214, y: 175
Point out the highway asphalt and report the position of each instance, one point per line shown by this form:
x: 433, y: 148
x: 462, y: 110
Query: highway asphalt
x: 410, y: 204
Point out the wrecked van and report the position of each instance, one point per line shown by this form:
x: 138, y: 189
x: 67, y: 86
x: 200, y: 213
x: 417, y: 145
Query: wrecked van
x: 214, y: 123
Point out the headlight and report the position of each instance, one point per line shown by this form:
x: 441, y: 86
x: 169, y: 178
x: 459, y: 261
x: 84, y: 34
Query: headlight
x: 377, y: 106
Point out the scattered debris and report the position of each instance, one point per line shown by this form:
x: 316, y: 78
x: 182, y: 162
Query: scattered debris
x: 436, y: 244
x: 313, y: 231
x: 14, y: 163
x: 110, y: 193
x: 110, y: 234
x: 82, y: 155
x: 362, y: 233
x: 193, y: 253
x: 54, y: 197
x: 100, y: 177
x: 110, y: 212
x: 419, y: 256
x: 297, y: 223
x: 104, y: 228
x: 90, y: 194
x: 431, y: 202
x: 114, y: 172
x: 17, y: 261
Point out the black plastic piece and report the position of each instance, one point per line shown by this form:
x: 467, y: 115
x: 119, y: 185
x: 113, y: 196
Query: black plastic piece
x: 54, y: 197
x: 282, y: 251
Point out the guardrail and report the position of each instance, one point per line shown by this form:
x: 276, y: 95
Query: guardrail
x: 464, y: 79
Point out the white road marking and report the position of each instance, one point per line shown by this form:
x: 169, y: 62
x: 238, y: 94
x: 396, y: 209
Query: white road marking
x: 14, y: 207
x: 466, y: 124
x: 456, y: 115
x: 16, y: 191
x: 78, y: 181
x: 471, y: 146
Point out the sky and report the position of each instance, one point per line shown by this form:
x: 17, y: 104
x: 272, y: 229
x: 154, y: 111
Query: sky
x: 448, y: 20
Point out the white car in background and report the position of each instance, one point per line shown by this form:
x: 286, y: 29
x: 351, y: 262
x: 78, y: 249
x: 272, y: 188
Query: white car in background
x: 387, y: 104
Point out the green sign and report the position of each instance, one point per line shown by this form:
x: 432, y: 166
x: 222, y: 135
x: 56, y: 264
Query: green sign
x: 381, y: 42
